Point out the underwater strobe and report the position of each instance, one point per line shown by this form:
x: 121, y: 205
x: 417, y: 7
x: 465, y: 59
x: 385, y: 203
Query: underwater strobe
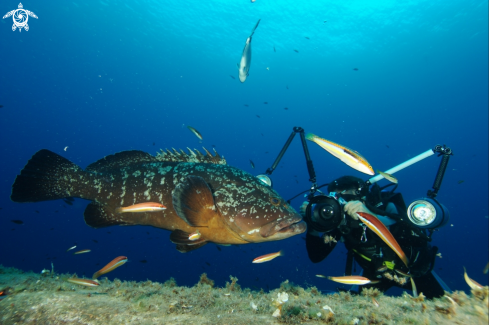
x: 427, y: 213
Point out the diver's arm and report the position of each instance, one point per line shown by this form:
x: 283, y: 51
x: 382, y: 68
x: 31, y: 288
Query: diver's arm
x: 390, y: 208
x: 352, y: 207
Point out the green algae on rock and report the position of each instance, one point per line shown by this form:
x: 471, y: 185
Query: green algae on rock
x: 36, y: 299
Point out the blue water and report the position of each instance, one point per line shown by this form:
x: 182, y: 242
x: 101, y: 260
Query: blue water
x: 106, y: 76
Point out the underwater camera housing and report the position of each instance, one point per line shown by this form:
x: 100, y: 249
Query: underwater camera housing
x: 428, y: 213
x: 325, y: 212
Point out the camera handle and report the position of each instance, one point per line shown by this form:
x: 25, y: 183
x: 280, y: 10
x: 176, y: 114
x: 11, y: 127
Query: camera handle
x: 310, y: 167
x: 446, y: 152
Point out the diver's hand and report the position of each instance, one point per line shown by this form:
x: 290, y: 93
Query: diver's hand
x: 352, y: 207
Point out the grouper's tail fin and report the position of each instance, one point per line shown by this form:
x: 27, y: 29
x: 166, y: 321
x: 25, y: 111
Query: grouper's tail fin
x: 47, y: 176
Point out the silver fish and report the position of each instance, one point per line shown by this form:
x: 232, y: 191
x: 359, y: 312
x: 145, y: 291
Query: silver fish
x: 245, y: 63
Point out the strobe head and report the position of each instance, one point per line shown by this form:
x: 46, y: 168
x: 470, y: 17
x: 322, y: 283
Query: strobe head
x: 427, y: 213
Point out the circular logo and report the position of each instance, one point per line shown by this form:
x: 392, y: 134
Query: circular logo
x: 20, y: 17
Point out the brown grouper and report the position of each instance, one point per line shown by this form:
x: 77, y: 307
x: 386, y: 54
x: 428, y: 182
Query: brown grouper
x: 201, y: 192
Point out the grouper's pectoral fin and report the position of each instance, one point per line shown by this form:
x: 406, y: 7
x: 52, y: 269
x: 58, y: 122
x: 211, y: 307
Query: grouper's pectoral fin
x: 193, y: 202
x: 98, y: 216
x: 188, y: 248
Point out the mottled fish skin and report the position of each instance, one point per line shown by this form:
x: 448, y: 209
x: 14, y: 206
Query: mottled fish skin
x: 245, y: 210
x: 252, y: 211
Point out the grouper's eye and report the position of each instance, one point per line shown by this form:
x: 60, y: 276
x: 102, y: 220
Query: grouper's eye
x: 275, y: 201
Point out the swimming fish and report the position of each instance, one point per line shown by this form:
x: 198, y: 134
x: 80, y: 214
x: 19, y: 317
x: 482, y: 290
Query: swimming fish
x: 83, y: 251
x: 69, y: 249
x: 194, y: 236
x: 351, y: 279
x: 226, y: 204
x: 350, y: 157
x: 375, y: 302
x: 486, y: 269
x: 83, y: 282
x: 378, y: 227
x: 267, y: 257
x: 68, y: 200
x: 382, y: 268
x: 245, y: 62
x: 401, y: 272
x: 321, y: 276
x: 19, y: 222
x: 115, y: 263
x: 388, y: 177
x: 252, y: 164
x: 194, y: 131
x: 415, y: 291
x: 472, y: 284
x: 142, y: 207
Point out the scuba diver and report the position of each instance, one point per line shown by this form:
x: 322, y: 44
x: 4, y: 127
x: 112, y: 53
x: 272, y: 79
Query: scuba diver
x: 333, y: 218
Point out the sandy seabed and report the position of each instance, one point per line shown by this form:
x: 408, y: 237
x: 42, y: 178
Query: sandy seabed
x: 32, y: 298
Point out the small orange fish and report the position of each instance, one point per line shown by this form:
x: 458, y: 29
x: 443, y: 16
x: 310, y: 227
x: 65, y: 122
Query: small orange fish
x: 472, y: 284
x: 378, y: 227
x: 115, y: 263
x: 267, y: 257
x: 142, y: 207
x: 83, y: 251
x: 351, y: 279
x: 83, y: 282
x: 194, y: 236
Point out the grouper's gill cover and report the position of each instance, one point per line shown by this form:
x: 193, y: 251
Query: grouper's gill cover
x: 226, y: 204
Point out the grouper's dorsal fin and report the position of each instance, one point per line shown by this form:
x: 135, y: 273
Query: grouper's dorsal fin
x: 194, y: 156
x: 121, y: 159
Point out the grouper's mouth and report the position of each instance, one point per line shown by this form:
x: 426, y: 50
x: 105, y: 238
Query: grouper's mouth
x: 290, y: 227
x: 296, y: 228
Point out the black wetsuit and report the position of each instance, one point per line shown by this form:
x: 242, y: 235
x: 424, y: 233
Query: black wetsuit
x: 372, y: 255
